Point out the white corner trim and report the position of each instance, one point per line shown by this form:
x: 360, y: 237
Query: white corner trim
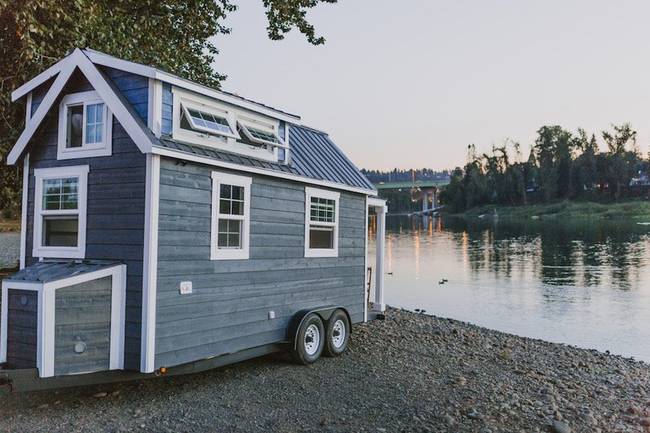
x: 242, y: 168
x: 28, y: 108
x: 330, y: 195
x: 30, y: 128
x: 46, y: 316
x: 230, y: 254
x: 80, y: 172
x: 23, y: 212
x: 366, y: 289
x: 150, y: 265
x: 105, y: 148
x: 154, y: 108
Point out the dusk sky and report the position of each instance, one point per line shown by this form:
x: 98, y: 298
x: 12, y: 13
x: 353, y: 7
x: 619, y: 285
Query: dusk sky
x: 412, y: 83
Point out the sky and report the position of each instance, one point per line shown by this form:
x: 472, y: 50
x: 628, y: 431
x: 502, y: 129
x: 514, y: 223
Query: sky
x: 410, y: 84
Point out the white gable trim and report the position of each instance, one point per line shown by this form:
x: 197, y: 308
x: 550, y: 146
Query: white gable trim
x: 148, y: 71
x: 38, y: 80
x: 77, y: 59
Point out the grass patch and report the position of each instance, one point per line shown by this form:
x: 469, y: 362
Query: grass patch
x: 9, y: 225
x: 637, y: 209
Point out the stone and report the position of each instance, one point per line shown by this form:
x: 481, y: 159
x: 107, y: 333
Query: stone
x: 100, y: 394
x: 560, y: 427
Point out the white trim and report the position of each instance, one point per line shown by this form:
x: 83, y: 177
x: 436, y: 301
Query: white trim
x: 154, y: 109
x: 23, y: 212
x: 380, y: 246
x: 38, y: 80
x: 80, y: 172
x: 28, y: 108
x: 105, y: 148
x: 46, y: 316
x: 376, y: 202
x: 330, y: 195
x: 129, y: 121
x: 148, y: 71
x: 238, y: 167
x: 67, y: 67
x: 366, y: 289
x: 242, y: 253
x: 150, y: 265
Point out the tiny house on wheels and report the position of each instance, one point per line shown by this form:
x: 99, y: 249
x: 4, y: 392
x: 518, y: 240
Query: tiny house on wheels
x: 168, y: 227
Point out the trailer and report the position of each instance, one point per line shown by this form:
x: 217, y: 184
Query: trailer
x: 169, y: 228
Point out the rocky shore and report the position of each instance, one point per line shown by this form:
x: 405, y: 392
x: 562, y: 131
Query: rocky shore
x: 409, y: 373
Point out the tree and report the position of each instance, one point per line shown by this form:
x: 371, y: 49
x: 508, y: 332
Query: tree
x: 173, y: 35
x: 622, y: 162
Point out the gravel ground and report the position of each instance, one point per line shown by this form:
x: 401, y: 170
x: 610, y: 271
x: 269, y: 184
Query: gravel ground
x: 408, y: 373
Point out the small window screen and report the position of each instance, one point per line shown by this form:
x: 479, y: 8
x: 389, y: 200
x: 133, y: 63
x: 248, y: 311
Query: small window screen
x: 75, y: 126
x: 60, y: 231
x: 321, y: 237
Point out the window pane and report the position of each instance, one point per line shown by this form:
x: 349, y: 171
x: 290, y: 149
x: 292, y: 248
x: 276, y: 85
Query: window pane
x: 224, y: 207
x: 321, y: 237
x: 226, y: 191
x: 94, y: 123
x: 238, y: 192
x: 60, y: 231
x: 75, y: 126
x: 237, y: 208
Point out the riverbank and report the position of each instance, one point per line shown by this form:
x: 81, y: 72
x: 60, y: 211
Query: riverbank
x: 408, y: 373
x: 636, y: 209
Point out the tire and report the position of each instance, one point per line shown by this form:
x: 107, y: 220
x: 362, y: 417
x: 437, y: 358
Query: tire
x: 310, y: 340
x: 337, y: 334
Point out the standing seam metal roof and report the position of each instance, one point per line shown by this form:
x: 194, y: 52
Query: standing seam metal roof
x: 313, y: 155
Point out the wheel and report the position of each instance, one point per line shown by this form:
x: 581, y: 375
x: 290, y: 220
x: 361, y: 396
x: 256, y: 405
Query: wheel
x: 338, y: 334
x: 310, y: 340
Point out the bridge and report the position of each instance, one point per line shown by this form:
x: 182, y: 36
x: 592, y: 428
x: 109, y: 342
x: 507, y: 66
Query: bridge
x: 425, y: 190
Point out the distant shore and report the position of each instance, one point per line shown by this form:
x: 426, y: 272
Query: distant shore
x: 638, y: 210
x: 9, y: 225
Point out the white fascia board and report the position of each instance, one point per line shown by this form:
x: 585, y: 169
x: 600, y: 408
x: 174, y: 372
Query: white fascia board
x: 376, y: 202
x: 237, y: 167
x: 37, y: 80
x: 150, y: 72
x: 67, y: 68
x: 127, y: 118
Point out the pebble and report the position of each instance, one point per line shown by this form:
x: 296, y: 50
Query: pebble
x: 100, y: 394
x: 560, y: 427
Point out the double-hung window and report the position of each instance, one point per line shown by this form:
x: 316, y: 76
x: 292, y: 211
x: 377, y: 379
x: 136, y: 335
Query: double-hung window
x: 321, y: 223
x: 230, y: 233
x: 85, y: 126
x: 60, y: 212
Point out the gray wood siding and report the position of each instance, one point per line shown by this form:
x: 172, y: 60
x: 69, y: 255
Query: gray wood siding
x: 21, y: 328
x: 228, y: 309
x: 115, y: 213
x: 83, y: 314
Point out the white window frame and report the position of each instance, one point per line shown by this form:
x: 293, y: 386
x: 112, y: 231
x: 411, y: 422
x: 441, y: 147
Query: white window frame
x: 243, y: 123
x: 326, y: 194
x: 230, y: 254
x: 40, y: 175
x: 214, y: 139
x: 105, y: 148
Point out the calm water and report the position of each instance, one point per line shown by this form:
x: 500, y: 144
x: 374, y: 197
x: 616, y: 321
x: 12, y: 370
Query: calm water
x: 584, y: 283
x: 9, y: 249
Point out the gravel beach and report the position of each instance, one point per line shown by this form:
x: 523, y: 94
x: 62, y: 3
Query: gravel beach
x: 409, y: 373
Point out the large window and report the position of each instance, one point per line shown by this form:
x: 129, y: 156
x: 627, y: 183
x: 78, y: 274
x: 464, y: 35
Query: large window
x: 60, y: 212
x: 230, y: 216
x: 321, y: 223
x: 84, y: 126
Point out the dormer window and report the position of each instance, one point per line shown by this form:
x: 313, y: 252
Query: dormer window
x: 208, y: 122
x: 84, y: 126
x: 204, y: 119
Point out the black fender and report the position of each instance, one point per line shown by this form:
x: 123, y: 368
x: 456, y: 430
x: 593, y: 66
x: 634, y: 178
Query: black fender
x: 323, y: 312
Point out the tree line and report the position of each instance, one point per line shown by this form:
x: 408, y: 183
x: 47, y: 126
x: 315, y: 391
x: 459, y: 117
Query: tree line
x: 561, y: 165
x: 404, y: 175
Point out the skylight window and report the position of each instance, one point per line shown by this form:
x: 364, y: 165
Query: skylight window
x: 261, y: 136
x: 204, y: 121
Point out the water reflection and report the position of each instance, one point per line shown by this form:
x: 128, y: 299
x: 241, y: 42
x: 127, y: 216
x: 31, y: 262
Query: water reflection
x: 580, y: 282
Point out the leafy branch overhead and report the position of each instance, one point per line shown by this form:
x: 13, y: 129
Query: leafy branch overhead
x: 174, y: 35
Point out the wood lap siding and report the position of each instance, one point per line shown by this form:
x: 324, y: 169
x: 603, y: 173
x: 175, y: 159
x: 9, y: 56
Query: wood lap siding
x: 21, y: 328
x: 83, y: 313
x: 228, y: 309
x: 116, y: 200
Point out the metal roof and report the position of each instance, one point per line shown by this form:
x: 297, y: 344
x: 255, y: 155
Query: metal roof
x: 313, y: 156
x: 47, y: 271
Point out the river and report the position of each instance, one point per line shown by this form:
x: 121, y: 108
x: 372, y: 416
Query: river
x: 580, y: 282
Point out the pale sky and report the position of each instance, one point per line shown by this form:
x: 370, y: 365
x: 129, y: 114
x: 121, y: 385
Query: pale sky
x: 411, y: 83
